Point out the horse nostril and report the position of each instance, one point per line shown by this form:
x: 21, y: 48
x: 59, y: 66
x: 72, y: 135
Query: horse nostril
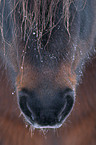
x: 68, y: 101
x: 26, y: 108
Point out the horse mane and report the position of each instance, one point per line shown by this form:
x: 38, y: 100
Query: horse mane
x: 37, y: 17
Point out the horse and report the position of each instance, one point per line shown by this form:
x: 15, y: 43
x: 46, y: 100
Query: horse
x: 45, y: 45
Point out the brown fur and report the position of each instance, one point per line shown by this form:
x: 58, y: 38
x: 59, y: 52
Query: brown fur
x: 61, y: 78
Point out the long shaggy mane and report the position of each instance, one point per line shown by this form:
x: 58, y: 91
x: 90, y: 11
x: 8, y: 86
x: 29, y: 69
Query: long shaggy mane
x: 36, y: 17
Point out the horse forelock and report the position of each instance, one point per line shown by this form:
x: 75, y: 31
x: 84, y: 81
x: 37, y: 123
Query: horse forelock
x: 37, y: 17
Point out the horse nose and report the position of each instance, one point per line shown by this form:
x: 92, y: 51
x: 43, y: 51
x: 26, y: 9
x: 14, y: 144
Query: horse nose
x: 47, y: 112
